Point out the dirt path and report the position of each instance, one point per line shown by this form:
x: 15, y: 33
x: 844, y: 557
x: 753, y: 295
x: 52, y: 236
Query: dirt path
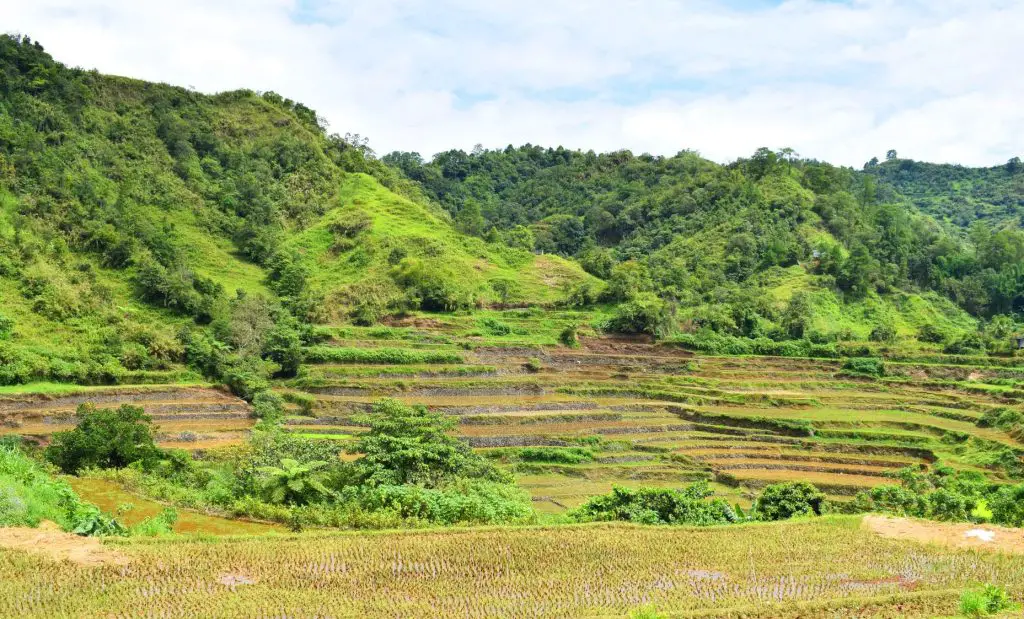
x: 960, y: 535
x: 49, y: 541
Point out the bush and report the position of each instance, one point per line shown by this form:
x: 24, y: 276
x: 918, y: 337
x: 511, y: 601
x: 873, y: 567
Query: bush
x: 495, y: 327
x: 29, y: 495
x: 1007, y: 506
x: 569, y: 336
x: 884, y: 332
x: 6, y: 327
x: 533, y: 365
x: 432, y: 284
x: 932, y: 334
x: 268, y: 406
x: 104, y: 438
x: 644, y: 313
x: 971, y: 344
x: 949, y: 506
x: 559, y: 455
x: 657, y: 506
x: 460, y: 502
x: 412, y: 445
x: 864, y: 366
x: 385, y: 356
x: 785, y: 500
x: 989, y: 600
x: 891, y: 499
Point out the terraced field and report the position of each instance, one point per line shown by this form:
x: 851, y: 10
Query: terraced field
x: 623, y: 411
x: 187, y: 416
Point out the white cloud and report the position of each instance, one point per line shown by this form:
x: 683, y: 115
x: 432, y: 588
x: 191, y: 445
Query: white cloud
x: 841, y: 81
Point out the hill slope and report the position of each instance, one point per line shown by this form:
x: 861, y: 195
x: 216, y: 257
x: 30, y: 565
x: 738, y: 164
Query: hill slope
x: 714, y: 237
x: 129, y: 210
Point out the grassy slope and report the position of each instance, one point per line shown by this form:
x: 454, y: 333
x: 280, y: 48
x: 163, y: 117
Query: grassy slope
x: 420, y: 231
x: 908, y: 311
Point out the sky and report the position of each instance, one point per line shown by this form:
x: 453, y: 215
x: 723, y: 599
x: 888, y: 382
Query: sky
x: 836, y: 80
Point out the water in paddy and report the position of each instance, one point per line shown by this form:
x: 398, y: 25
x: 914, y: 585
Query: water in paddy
x: 108, y: 496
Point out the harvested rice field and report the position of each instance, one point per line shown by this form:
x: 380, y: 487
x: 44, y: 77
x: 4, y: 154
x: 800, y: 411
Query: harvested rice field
x: 839, y: 568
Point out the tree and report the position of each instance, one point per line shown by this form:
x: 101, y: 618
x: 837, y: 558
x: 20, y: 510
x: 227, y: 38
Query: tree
x: 644, y: 313
x: 283, y: 345
x: 1013, y: 165
x: 627, y: 280
x: 104, y: 438
x: 507, y: 289
x: 469, y: 220
x: 520, y: 237
x: 412, y: 445
x: 294, y: 483
x: 890, y: 155
x: 782, y: 501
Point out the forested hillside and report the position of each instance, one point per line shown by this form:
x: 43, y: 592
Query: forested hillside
x: 959, y: 195
x: 133, y: 214
x: 735, y: 240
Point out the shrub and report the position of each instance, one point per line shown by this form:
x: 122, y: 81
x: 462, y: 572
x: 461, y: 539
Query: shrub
x: 462, y: 501
x: 932, y: 334
x: 29, y: 495
x: 560, y: 455
x: 949, y: 506
x: 386, y: 356
x: 569, y: 336
x: 268, y: 406
x: 434, y: 286
x: 643, y: 313
x: 1007, y: 506
x: 104, y: 438
x: 412, y: 445
x: 6, y: 327
x: 864, y: 366
x: 495, y: 327
x: 884, y: 332
x: 989, y: 600
x: 533, y: 365
x: 971, y: 344
x: 891, y: 499
x: 785, y: 500
x: 657, y: 506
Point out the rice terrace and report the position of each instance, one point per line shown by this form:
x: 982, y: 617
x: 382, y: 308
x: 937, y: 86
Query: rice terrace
x: 250, y: 368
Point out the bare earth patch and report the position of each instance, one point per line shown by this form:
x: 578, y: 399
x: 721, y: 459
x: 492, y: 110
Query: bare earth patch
x: 49, y: 541
x: 960, y: 535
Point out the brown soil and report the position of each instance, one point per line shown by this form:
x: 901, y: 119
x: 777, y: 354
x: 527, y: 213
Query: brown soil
x: 947, y: 534
x: 49, y: 541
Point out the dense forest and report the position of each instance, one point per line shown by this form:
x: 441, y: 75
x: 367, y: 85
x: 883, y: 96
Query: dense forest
x: 698, y: 232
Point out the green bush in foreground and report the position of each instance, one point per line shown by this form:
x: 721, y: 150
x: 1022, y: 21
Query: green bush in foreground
x: 658, y: 506
x: 30, y: 495
x: 104, y: 438
x: 786, y: 500
x: 988, y: 600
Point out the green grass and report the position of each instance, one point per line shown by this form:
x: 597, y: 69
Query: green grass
x: 427, y: 233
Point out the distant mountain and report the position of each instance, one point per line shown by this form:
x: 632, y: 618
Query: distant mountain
x: 959, y: 195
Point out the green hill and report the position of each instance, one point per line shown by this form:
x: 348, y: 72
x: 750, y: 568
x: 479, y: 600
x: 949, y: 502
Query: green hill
x: 719, y: 239
x: 129, y: 210
x: 957, y: 194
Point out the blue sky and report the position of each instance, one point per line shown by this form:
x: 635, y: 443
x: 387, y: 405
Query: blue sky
x: 840, y: 80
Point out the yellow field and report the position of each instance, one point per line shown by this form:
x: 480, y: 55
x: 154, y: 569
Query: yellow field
x: 768, y: 570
